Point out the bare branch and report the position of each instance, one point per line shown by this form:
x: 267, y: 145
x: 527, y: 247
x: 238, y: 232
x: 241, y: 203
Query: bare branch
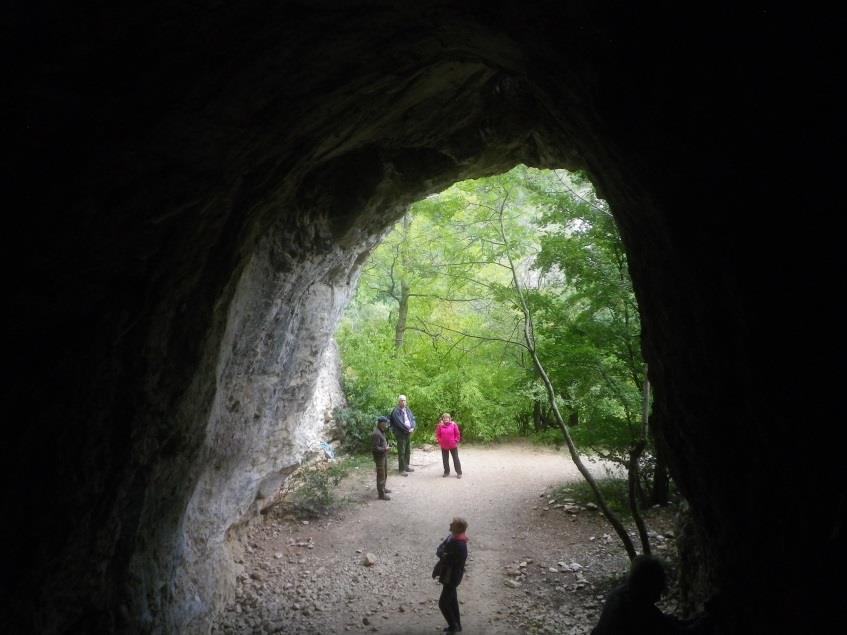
x: 443, y: 299
x: 470, y: 335
x: 469, y: 262
x: 595, y: 206
x: 529, y: 337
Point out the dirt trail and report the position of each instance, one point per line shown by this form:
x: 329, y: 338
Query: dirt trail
x: 309, y: 578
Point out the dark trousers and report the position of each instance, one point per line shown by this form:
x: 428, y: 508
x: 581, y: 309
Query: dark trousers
x: 449, y: 605
x: 404, y: 450
x: 445, y: 458
x: 381, y: 461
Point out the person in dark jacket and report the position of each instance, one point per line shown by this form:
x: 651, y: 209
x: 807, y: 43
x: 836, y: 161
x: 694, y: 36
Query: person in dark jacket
x: 631, y: 608
x: 403, y: 427
x: 452, y: 554
x: 379, y: 446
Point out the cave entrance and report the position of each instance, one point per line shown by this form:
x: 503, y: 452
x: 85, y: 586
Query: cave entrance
x: 439, y: 317
x: 442, y: 304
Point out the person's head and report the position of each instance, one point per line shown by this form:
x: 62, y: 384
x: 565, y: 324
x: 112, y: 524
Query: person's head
x: 445, y: 417
x: 458, y: 526
x: 401, y: 401
x: 382, y: 423
x: 646, y: 579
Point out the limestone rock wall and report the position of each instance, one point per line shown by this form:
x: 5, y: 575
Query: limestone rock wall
x: 274, y: 380
x: 328, y: 396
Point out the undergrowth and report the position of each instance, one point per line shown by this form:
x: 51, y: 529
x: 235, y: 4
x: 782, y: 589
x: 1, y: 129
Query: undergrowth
x: 311, y: 490
x: 614, y: 490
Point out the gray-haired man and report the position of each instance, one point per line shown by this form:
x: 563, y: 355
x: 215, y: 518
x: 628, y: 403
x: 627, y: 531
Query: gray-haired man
x: 403, y: 426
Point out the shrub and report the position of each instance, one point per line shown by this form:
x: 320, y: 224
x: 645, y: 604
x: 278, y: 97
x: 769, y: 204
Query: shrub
x: 356, y: 427
x: 315, y: 494
x: 548, y: 436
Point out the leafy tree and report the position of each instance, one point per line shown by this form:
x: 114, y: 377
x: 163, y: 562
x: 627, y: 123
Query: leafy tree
x: 590, y: 324
x: 436, y: 316
x: 429, y: 290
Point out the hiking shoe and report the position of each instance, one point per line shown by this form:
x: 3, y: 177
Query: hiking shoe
x: 385, y: 498
x: 408, y: 469
x: 388, y: 491
x: 458, y: 476
x: 403, y: 474
x: 445, y: 475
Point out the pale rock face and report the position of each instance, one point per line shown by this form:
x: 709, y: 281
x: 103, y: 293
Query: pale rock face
x: 277, y: 378
x: 328, y: 396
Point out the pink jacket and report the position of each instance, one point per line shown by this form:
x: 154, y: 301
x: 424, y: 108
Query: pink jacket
x: 448, y: 434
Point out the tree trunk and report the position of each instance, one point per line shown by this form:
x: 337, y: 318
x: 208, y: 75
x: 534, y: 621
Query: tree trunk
x: 632, y: 468
x: 529, y: 340
x: 403, y: 309
x: 402, y: 316
x: 633, y: 486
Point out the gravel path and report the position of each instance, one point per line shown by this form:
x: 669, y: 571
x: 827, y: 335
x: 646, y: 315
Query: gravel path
x: 534, y: 565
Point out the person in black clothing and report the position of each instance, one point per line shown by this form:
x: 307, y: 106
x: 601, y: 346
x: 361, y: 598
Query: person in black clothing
x: 631, y: 608
x: 452, y: 554
x: 379, y: 447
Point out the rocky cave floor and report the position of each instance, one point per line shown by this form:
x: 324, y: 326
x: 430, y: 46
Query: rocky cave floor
x: 538, y: 563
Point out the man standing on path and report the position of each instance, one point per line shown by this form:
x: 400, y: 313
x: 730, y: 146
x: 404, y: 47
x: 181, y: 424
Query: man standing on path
x: 380, y: 454
x: 403, y: 425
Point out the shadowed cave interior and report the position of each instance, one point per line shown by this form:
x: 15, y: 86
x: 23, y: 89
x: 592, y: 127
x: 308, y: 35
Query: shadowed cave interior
x: 198, y: 184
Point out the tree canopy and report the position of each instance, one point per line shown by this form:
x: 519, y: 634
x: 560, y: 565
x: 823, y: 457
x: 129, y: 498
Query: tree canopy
x: 436, y: 316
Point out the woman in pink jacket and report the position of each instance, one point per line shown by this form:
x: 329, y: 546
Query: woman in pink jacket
x: 448, y: 435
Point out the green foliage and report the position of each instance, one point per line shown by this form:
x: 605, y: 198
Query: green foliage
x: 548, y: 436
x: 356, y: 427
x: 587, y: 325
x: 456, y: 354
x: 315, y: 493
x: 436, y: 316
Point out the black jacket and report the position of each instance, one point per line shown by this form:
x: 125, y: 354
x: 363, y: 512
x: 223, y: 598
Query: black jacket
x: 453, y: 553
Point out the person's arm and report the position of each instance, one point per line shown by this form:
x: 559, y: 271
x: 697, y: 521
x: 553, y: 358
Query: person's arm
x: 394, y: 420
x: 383, y: 442
x: 458, y: 433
